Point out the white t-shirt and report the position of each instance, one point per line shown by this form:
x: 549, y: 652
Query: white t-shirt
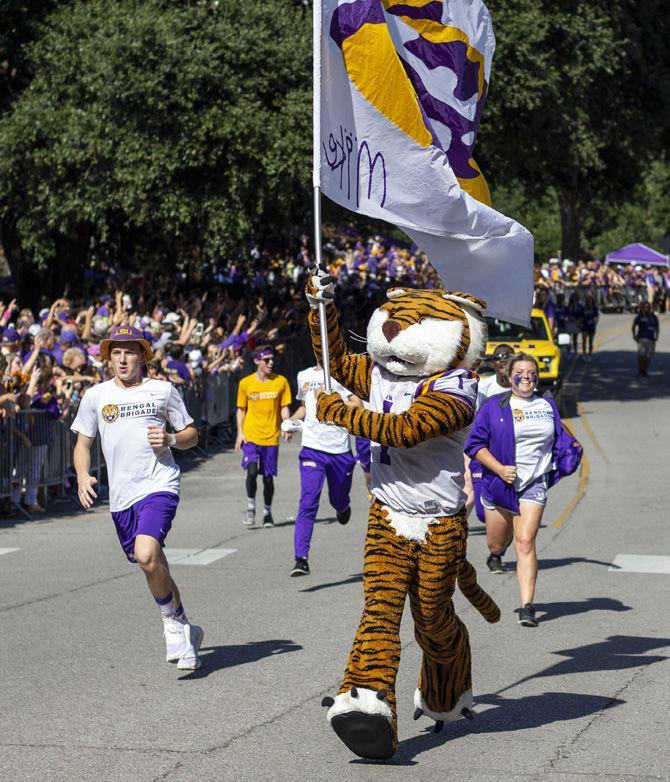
x: 488, y: 387
x: 122, y: 416
x: 534, y: 434
x: 426, y: 480
x: 317, y: 435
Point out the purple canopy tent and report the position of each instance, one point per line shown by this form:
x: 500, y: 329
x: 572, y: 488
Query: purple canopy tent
x: 637, y: 253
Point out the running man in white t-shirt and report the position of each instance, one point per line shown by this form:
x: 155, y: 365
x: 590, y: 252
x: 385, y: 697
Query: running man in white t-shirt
x: 130, y: 413
x: 325, y: 457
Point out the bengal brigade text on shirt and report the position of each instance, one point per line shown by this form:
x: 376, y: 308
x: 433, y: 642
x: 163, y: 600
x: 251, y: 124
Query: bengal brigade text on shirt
x: 111, y: 412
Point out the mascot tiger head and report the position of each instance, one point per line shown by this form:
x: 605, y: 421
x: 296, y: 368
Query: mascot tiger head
x: 418, y: 333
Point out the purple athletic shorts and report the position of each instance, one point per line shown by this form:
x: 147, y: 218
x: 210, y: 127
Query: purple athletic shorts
x: 152, y: 516
x: 363, y: 453
x: 535, y: 492
x: 264, y: 455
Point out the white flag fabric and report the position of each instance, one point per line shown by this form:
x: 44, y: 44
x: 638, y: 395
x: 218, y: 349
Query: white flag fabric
x: 402, y: 89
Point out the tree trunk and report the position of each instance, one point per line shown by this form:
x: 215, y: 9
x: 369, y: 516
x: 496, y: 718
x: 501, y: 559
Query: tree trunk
x: 24, y: 273
x: 571, y: 224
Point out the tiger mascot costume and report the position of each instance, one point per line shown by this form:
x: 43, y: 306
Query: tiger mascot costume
x: 419, y: 387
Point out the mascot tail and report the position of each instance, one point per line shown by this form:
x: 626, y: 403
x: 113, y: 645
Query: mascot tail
x: 467, y: 583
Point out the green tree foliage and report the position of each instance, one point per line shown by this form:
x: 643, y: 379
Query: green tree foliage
x: 579, y: 101
x: 160, y: 129
x: 644, y: 217
x: 538, y: 213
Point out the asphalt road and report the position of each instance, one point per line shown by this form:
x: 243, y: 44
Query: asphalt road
x: 86, y: 694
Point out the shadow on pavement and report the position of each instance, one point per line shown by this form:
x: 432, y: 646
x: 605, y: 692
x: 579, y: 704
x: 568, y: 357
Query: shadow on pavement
x: 357, y: 577
x: 216, y: 658
x: 613, y: 377
x: 549, y: 564
x: 617, y: 652
x: 509, y: 714
x: 613, y: 654
x: 291, y: 522
x: 571, y: 608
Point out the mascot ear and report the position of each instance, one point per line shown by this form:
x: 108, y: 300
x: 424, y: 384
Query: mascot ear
x: 479, y: 305
x: 393, y: 293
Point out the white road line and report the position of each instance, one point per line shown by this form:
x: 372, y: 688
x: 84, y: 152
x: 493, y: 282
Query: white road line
x: 640, y: 563
x: 196, y: 556
x: 8, y: 550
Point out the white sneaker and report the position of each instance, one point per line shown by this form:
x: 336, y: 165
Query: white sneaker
x: 189, y: 661
x: 249, y: 518
x: 175, y: 641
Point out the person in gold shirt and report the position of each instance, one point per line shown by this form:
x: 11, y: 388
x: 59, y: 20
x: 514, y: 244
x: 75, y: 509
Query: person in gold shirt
x: 262, y: 402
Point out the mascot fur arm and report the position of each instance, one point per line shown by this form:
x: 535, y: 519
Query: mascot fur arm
x: 352, y: 370
x: 431, y: 415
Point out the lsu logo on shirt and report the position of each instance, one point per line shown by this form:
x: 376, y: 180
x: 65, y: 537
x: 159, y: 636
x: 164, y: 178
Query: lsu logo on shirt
x: 110, y: 413
x: 518, y: 414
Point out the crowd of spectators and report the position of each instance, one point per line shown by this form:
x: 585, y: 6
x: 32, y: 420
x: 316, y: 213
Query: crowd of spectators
x: 620, y: 287
x: 212, y: 322
x: 50, y: 355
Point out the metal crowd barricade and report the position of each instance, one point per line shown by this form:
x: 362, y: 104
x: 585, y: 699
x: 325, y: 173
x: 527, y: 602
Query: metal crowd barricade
x: 6, y: 461
x: 37, y: 451
x: 36, y: 454
x: 219, y: 405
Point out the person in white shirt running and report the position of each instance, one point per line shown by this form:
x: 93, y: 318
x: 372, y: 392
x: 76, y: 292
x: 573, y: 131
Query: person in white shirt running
x: 130, y: 414
x: 325, y: 457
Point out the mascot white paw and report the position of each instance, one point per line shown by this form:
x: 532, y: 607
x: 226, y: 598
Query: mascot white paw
x: 363, y: 720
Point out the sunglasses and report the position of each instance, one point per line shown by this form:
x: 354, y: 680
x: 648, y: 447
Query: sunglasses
x: 501, y: 356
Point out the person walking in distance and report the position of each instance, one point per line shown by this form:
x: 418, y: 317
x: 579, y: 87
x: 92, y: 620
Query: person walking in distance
x: 130, y: 414
x: 263, y: 400
x: 589, y: 323
x: 325, y: 457
x: 519, y: 439
x: 645, y: 332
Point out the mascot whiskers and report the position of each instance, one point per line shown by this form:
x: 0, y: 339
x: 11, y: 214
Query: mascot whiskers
x: 419, y: 386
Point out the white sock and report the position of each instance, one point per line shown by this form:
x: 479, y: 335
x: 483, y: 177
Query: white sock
x: 267, y: 510
x: 251, y: 503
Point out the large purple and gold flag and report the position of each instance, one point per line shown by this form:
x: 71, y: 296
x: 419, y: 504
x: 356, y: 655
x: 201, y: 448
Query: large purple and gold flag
x: 403, y: 84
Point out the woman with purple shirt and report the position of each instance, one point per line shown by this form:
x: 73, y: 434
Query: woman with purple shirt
x: 520, y: 441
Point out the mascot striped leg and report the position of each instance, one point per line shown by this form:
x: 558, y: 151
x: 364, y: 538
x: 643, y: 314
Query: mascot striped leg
x: 427, y: 567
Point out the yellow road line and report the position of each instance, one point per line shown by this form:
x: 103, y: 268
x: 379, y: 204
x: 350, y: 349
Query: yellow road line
x: 592, y: 435
x: 585, y: 468
x: 584, y: 472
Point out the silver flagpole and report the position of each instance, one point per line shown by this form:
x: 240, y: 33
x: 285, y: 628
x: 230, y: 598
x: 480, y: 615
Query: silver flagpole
x: 316, y: 180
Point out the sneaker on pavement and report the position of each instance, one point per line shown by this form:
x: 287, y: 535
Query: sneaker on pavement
x: 494, y: 564
x: 249, y: 518
x: 268, y: 521
x: 527, y: 616
x: 189, y: 661
x: 344, y: 516
x: 301, y: 568
x: 175, y: 641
